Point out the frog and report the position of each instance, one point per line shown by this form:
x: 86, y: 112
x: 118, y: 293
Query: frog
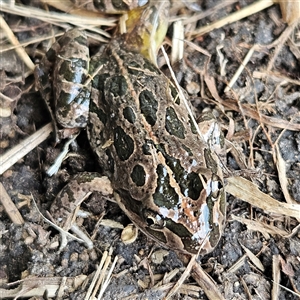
x: 163, y: 167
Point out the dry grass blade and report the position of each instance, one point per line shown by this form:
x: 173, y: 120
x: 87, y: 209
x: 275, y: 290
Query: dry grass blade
x: 238, y: 15
x: 96, y: 276
x: 64, y: 233
x: 249, y: 111
x: 68, y: 7
x: 206, y: 283
x: 276, y: 76
x: 108, y: 278
x: 10, y: 207
x: 238, y: 264
x: 101, y: 277
x: 181, y: 94
x: 276, y: 276
x: 249, y: 192
x: 253, y: 258
x: 37, y: 287
x: 257, y: 47
x: 54, y: 17
x: 13, y: 155
x: 264, y: 228
x: 182, y: 278
x: 280, y: 164
x: 19, y: 49
x: 206, y: 13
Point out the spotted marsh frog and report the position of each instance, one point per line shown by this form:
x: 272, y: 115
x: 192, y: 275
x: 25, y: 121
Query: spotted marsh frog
x: 165, y: 176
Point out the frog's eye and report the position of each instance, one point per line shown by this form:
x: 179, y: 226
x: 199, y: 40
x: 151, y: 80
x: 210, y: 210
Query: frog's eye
x: 154, y: 220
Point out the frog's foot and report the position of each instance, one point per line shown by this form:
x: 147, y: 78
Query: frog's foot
x: 66, y: 236
x: 66, y: 206
x: 61, y: 157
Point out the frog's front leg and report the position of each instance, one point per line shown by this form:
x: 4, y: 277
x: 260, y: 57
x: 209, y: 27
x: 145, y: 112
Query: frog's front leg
x: 60, y: 78
x: 66, y: 206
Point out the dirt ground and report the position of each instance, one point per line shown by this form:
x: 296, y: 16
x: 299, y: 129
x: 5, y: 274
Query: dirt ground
x: 258, y: 256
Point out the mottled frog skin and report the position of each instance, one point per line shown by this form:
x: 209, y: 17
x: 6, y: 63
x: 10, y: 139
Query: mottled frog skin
x: 166, y: 177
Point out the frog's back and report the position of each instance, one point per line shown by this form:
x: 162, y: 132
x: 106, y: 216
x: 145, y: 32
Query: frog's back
x: 148, y: 145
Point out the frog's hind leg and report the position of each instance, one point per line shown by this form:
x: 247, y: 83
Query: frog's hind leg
x: 66, y: 206
x: 60, y: 78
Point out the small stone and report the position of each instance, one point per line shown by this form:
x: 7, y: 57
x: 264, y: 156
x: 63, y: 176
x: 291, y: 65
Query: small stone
x: 74, y: 256
x: 29, y: 240
x: 5, y: 112
x: 157, y: 257
x: 193, y: 88
x: 84, y: 256
x: 54, y: 245
x: 93, y: 255
x: 4, y: 144
x: 7, y: 174
x: 64, y: 262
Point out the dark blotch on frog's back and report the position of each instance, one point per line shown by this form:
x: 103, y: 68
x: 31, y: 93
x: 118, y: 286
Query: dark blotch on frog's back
x: 148, y: 106
x: 123, y: 143
x: 117, y: 85
x: 173, y: 125
x: 138, y: 175
x: 129, y: 114
x: 190, y: 183
x: 165, y: 195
